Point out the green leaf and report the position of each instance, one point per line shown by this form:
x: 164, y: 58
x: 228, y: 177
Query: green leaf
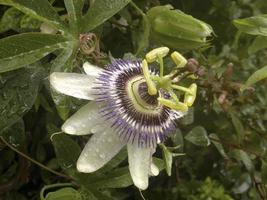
x: 87, y: 194
x: 11, y: 20
x: 259, y: 43
x: 29, y: 23
x: 39, y: 9
x: 198, y: 136
x: 168, y: 158
x: 242, y: 156
x: 23, y: 49
x: 216, y: 141
x: 67, y: 150
x: 18, y: 92
x: 93, y: 194
x: 141, y: 35
x: 239, y: 128
x: 15, y: 134
x: 74, y: 9
x: 178, y: 139
x: 159, y: 163
x: 100, y: 11
x: 264, y: 172
x: 256, y: 25
x: 117, y: 178
x: 257, y: 76
x: 189, y: 117
x: 67, y: 193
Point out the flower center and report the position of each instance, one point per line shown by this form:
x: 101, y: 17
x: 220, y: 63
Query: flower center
x: 137, y: 116
x: 143, y: 102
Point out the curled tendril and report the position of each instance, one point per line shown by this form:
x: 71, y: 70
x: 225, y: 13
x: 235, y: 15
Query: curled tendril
x: 89, y: 45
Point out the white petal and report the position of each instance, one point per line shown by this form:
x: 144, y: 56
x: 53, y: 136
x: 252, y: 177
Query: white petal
x: 91, y: 70
x: 84, y: 120
x: 139, y: 164
x: 100, y: 149
x: 154, y: 170
x: 72, y: 84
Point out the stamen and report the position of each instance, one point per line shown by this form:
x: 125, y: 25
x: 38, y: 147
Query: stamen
x: 166, y: 82
x: 173, y: 105
x: 190, y: 97
x: 178, y: 59
x: 153, y: 55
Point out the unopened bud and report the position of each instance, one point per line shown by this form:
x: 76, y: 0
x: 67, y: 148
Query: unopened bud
x: 176, y: 29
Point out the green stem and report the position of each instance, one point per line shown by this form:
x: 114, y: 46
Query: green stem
x: 137, y: 8
x: 34, y: 161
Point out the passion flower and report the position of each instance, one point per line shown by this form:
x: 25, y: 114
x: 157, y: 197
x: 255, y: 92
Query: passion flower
x: 130, y: 106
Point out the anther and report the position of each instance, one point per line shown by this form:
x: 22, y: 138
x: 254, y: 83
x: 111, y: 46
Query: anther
x: 178, y: 59
x: 155, y: 53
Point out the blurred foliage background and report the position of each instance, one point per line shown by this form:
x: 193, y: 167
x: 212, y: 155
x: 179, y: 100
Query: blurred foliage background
x: 223, y: 138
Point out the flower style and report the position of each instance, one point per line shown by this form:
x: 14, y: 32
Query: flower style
x: 130, y: 106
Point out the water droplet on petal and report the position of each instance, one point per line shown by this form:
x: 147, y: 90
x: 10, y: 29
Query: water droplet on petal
x: 102, y: 156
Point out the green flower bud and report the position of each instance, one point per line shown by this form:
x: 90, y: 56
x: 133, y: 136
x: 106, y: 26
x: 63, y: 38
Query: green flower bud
x: 176, y: 29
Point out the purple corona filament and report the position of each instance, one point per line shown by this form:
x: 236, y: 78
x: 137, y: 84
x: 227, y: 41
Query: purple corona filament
x: 141, y: 120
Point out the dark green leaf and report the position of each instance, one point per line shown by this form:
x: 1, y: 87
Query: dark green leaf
x: 100, y: 11
x: 15, y: 134
x: 93, y: 194
x: 178, y: 139
x: 259, y: 43
x: 256, y: 25
x: 141, y: 35
x: 242, y: 183
x: 242, y: 156
x: 18, y: 92
x: 239, y: 128
x: 189, y: 117
x: 67, y: 150
x: 264, y: 172
x: 198, y: 136
x: 257, y: 76
x: 216, y: 141
x: 87, y: 194
x: 19, y: 50
x: 74, y: 9
x: 39, y: 9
